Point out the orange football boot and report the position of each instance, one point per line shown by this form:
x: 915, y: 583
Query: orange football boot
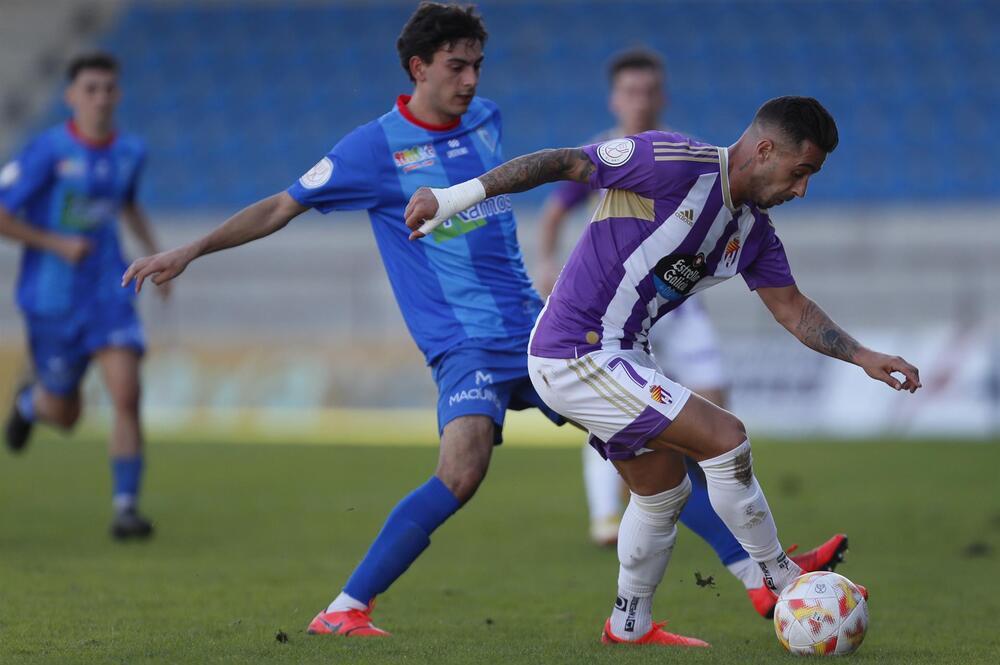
x: 656, y: 635
x: 349, y: 623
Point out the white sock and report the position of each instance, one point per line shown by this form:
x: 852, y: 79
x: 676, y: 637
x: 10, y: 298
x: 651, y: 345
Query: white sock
x: 748, y: 572
x: 603, y: 485
x: 739, y: 501
x: 645, y: 541
x: 343, y: 602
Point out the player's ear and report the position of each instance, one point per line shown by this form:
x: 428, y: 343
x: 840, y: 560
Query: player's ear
x: 765, y: 147
x: 418, y: 68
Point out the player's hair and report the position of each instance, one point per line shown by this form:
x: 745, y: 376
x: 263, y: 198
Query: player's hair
x: 635, y: 58
x: 435, y: 24
x: 94, y: 60
x: 800, y: 119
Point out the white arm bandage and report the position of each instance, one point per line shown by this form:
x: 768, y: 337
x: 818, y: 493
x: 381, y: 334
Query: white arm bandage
x: 454, y: 200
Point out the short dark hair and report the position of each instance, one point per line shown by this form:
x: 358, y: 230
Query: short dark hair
x: 635, y: 58
x: 434, y: 25
x: 801, y: 119
x: 93, y: 60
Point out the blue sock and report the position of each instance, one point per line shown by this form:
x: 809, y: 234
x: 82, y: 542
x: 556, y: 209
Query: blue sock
x: 404, y: 536
x: 126, y: 473
x: 699, y: 516
x: 25, y: 403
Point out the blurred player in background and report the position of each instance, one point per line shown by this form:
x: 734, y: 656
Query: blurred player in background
x: 684, y: 344
x: 60, y: 198
x: 678, y: 216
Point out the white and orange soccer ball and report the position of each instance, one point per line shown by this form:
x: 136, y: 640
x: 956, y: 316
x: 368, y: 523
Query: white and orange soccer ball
x: 821, y: 614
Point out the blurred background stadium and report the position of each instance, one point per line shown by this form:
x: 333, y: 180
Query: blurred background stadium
x: 898, y: 238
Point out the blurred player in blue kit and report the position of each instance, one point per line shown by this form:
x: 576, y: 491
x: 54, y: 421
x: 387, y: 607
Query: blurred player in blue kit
x: 463, y: 291
x: 60, y: 198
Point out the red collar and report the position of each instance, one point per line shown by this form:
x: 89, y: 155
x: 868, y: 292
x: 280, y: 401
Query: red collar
x: 75, y: 132
x: 401, y: 103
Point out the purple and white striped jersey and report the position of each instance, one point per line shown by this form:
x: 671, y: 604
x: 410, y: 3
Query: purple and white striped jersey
x: 665, y: 229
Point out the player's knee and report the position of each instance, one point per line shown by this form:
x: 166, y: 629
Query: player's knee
x: 64, y: 413
x: 463, y: 481
x: 126, y: 403
x: 728, y: 433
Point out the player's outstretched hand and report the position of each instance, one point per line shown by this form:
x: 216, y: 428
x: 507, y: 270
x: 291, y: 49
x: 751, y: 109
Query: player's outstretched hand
x: 880, y: 367
x: 423, y: 206
x: 161, y: 267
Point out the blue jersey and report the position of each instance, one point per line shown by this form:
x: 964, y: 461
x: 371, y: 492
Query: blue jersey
x: 62, y: 183
x: 465, y: 285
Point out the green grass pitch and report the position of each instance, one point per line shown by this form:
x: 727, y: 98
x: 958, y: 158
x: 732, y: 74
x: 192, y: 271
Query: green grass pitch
x: 254, y: 539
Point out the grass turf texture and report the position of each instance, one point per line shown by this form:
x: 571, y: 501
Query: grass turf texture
x: 256, y: 539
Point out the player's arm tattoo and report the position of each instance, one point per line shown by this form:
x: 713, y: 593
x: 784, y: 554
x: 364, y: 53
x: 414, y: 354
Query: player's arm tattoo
x: 530, y: 171
x: 818, y: 331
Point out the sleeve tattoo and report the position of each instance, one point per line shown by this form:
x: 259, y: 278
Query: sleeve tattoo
x: 530, y: 171
x: 817, y: 331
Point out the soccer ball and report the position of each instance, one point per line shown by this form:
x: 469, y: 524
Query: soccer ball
x: 821, y: 614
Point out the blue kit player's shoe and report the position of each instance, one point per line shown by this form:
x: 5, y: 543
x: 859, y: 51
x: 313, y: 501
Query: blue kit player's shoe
x: 129, y: 524
x: 17, y: 430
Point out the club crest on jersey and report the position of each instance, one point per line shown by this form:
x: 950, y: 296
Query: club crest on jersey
x: 617, y: 152
x: 675, y: 275
x: 416, y: 157
x: 660, y: 395
x: 732, y: 250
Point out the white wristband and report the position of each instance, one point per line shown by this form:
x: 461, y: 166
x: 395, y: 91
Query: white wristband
x: 454, y: 200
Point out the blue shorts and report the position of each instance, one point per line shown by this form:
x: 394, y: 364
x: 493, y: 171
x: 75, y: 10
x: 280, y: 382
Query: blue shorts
x: 62, y: 346
x: 478, y: 382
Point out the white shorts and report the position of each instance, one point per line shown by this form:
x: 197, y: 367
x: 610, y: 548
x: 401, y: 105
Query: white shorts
x: 620, y: 397
x: 685, y: 345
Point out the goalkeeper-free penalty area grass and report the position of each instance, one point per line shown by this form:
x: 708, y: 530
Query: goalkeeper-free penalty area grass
x: 253, y: 540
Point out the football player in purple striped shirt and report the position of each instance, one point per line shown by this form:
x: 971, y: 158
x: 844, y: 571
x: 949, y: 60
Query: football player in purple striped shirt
x: 683, y: 343
x: 678, y: 216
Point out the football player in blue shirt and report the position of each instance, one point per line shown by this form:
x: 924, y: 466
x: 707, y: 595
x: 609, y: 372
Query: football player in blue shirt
x: 60, y: 198
x: 463, y: 290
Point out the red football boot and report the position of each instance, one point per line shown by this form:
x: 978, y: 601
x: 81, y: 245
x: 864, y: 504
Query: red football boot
x: 825, y: 557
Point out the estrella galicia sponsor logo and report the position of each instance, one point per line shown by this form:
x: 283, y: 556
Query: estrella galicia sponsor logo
x: 415, y: 157
x: 675, y: 275
x: 472, y: 218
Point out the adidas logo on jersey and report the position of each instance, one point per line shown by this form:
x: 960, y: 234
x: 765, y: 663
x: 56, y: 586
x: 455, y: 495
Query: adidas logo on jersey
x: 686, y: 216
